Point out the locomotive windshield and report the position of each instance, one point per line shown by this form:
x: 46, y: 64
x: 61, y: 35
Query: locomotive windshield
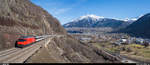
x: 21, y: 40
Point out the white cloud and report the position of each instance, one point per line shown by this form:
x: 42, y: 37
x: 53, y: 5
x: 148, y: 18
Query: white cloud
x: 61, y: 11
x: 64, y: 10
x: 58, y: 10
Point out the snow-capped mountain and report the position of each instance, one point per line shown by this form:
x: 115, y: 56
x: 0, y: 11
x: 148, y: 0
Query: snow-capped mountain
x: 94, y: 18
x: 97, y: 21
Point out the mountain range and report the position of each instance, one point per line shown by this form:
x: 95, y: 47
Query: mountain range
x: 136, y: 27
x: 93, y: 21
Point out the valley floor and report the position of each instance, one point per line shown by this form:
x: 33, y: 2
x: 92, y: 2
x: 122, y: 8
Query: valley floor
x: 111, y: 42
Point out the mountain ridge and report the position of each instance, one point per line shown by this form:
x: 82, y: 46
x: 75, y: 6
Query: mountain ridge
x: 97, y: 21
x: 140, y: 27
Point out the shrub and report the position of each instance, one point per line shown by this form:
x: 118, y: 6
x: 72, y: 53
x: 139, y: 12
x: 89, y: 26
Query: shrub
x: 146, y: 45
x: 135, y: 53
x: 122, y: 48
x: 129, y: 50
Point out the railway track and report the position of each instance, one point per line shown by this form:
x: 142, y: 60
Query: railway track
x: 123, y: 59
x: 114, y: 56
x: 7, y: 52
x: 19, y: 55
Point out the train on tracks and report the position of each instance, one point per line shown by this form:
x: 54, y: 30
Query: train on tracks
x: 25, y: 41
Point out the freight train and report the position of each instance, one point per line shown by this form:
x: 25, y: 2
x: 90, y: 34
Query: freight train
x: 25, y: 41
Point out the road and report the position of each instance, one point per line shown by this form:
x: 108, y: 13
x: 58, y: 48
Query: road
x: 19, y: 55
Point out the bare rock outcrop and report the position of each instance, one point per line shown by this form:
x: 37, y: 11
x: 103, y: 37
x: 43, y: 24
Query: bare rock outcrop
x: 21, y: 17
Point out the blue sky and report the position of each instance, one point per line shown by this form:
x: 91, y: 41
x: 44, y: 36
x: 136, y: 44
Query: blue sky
x: 67, y: 10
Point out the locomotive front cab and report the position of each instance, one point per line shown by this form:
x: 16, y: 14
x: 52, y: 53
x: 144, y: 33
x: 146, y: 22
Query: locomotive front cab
x: 25, y: 41
x: 20, y: 43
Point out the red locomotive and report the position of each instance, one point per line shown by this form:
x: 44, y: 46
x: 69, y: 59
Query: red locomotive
x: 25, y: 41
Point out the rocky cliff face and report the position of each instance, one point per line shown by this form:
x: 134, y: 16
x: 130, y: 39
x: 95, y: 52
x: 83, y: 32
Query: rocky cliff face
x: 21, y: 17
